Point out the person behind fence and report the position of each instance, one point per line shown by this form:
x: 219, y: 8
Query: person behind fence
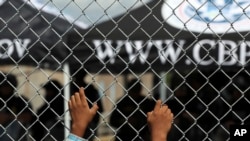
x: 129, y: 117
x: 159, y: 119
x: 237, y: 95
x: 176, y: 105
x: 48, y: 124
x: 92, y: 95
x: 15, y: 112
x: 186, y: 103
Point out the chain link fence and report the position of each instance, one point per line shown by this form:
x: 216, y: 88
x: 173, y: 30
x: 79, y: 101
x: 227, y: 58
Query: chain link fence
x: 193, y: 55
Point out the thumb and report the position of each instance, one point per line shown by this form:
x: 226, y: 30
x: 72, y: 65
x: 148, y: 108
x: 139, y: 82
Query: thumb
x: 149, y: 113
x: 94, y: 108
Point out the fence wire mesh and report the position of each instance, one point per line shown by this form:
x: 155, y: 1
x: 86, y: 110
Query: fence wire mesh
x: 193, y: 55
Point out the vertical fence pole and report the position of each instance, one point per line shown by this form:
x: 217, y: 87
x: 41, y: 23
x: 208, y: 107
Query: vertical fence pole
x: 67, y: 96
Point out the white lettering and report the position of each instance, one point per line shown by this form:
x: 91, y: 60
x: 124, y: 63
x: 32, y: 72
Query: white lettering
x: 108, y: 51
x: 243, y: 131
x: 227, y: 50
x: 8, y: 47
x: 135, y: 49
x: 131, y: 54
x: 240, y: 132
x: 8, y: 50
x: 143, y: 55
x: 21, y: 46
x: 170, y: 51
x: 197, y: 50
x: 243, y: 52
x: 204, y: 52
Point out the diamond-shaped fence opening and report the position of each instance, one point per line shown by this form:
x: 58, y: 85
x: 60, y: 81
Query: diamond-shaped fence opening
x: 193, y: 55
